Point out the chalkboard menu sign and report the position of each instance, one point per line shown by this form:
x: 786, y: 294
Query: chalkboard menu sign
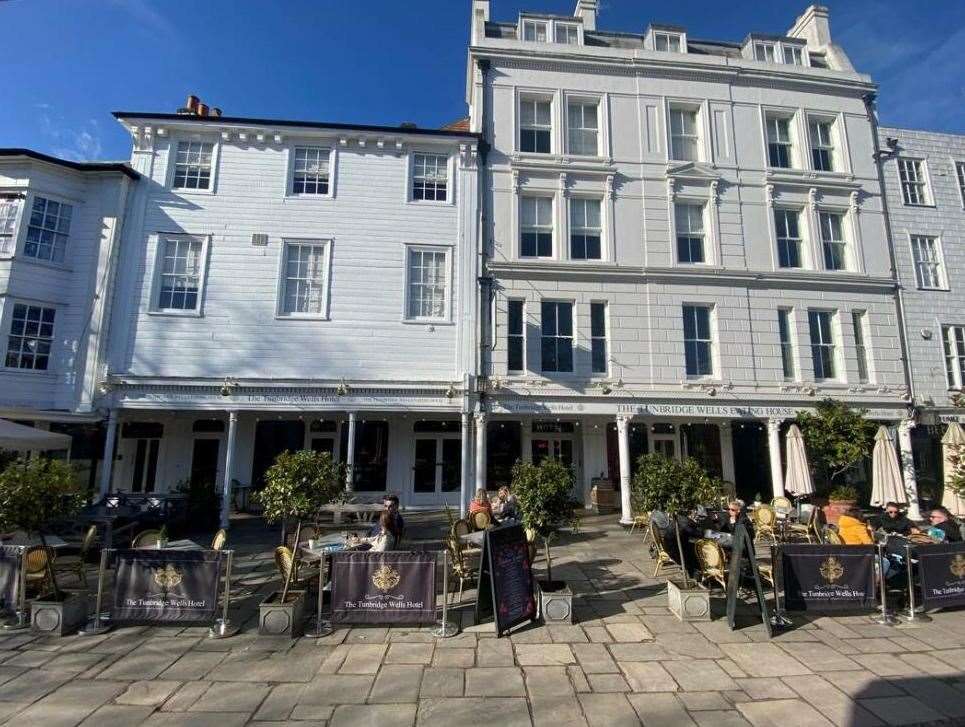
x: 743, y: 563
x: 505, y: 579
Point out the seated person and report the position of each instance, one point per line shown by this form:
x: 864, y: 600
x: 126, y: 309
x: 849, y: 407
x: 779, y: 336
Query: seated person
x: 853, y: 528
x: 504, y: 505
x: 735, y: 515
x: 895, y: 521
x: 386, y: 539
x: 480, y: 503
x: 943, y: 527
x: 689, y: 532
x: 390, y: 503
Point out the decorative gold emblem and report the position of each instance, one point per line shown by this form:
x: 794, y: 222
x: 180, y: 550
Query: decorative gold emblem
x: 167, y: 577
x: 385, y: 578
x: 958, y: 566
x: 832, y: 570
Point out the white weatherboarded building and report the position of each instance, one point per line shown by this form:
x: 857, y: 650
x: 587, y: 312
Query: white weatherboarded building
x: 289, y: 285
x: 685, y: 244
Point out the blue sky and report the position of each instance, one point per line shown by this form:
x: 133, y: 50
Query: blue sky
x: 69, y: 63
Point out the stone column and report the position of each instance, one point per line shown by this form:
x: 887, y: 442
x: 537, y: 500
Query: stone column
x: 774, y: 450
x: 464, y: 468
x: 623, y: 436
x: 350, y: 454
x: 481, y: 450
x: 908, y: 467
x: 727, y: 452
x: 228, y: 463
x: 107, y: 466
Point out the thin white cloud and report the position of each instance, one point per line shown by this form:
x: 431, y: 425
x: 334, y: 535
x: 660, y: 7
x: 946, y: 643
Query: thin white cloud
x: 66, y: 140
x: 147, y: 17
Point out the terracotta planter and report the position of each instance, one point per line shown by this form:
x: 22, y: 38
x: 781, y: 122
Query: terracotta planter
x: 836, y: 508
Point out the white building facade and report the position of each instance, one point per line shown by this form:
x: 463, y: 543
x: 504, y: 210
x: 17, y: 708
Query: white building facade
x: 289, y: 285
x: 685, y: 245
x: 60, y: 230
x: 924, y: 175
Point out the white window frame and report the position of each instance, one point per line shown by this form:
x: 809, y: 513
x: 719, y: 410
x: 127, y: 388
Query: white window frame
x: 712, y: 341
x: 534, y: 23
x: 953, y: 354
x: 801, y: 238
x: 332, y: 162
x: 791, y: 143
x: 845, y: 246
x: 605, y: 338
x: 160, y: 240
x: 572, y: 337
x: 797, y: 53
x: 520, y: 227
x: 572, y: 229
x: 536, y: 97
x: 922, y: 178
x: 173, y: 161
x: 788, y: 347
x: 669, y: 37
x: 764, y: 46
x: 568, y: 28
x: 960, y: 176
x: 682, y: 108
x: 521, y: 335
x: 18, y: 201
x: 830, y: 145
x: 703, y: 234
x: 583, y: 102
x: 25, y: 216
x: 446, y: 317
x: 862, y: 346
x: 8, y: 333
x: 282, y: 286
x: 831, y: 344
x: 450, y: 177
x: 938, y: 262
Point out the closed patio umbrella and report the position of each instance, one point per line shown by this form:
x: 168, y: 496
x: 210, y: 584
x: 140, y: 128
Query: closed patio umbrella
x: 797, y: 479
x: 953, y: 440
x: 886, y: 481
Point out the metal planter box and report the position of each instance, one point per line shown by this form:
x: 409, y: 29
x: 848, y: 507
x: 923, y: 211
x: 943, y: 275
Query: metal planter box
x: 688, y: 604
x: 282, y: 619
x: 59, y: 617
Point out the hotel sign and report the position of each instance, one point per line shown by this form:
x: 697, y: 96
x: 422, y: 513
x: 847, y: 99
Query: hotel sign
x: 281, y: 400
x: 662, y: 410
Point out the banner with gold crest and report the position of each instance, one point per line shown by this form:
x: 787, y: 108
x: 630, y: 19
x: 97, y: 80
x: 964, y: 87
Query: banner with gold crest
x: 166, y: 586
x: 828, y: 577
x: 383, y: 587
x: 11, y: 561
x: 942, y: 571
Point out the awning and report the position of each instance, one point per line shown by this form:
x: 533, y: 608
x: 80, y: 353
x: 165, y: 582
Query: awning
x: 18, y: 437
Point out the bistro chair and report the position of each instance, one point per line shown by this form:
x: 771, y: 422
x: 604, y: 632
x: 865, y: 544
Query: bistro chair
x: 767, y: 572
x: 481, y: 520
x: 146, y: 539
x: 640, y: 521
x: 782, y: 505
x: 77, y: 564
x: 462, y: 566
x: 712, y: 561
x: 662, y: 556
x: 808, y: 531
x: 38, y: 575
x: 832, y: 536
x: 765, y: 520
x: 285, y: 561
x: 219, y: 539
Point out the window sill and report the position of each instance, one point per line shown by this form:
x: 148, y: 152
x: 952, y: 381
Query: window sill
x: 193, y: 192
x: 298, y: 317
x: 427, y: 322
x: 926, y: 206
x: 42, y: 263
x: 47, y: 373
x: 311, y: 197
x: 430, y: 202
x: 930, y: 289
x: 175, y: 314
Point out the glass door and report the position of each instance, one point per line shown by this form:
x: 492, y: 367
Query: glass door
x: 437, y: 468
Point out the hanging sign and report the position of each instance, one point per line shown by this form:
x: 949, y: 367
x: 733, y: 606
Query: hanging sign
x: 383, y: 588
x: 157, y: 586
x: 942, y: 571
x: 828, y: 577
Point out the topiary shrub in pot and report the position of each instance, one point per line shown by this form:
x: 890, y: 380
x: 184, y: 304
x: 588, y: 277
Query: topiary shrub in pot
x: 840, y: 500
x: 676, y: 488
x: 34, y: 493
x: 297, y: 486
x: 543, y: 497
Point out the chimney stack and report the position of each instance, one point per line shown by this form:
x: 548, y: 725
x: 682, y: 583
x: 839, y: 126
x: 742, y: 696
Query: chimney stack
x: 587, y: 9
x: 202, y: 109
x: 216, y: 111
x: 194, y: 107
x: 813, y: 26
x: 480, y: 16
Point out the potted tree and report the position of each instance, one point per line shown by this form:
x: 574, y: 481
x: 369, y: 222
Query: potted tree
x: 837, y: 438
x: 676, y: 488
x: 543, y: 497
x: 296, y: 487
x: 35, y: 493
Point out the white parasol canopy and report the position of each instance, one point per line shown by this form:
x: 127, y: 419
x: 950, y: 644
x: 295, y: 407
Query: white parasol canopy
x: 797, y: 479
x: 887, y: 484
x: 20, y: 438
x: 953, y: 440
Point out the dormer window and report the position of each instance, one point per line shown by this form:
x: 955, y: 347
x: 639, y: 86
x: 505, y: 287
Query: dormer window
x: 567, y: 33
x: 793, y: 55
x: 764, y: 52
x: 667, y: 42
x: 534, y: 30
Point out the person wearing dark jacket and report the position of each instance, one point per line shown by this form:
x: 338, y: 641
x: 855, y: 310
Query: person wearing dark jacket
x: 736, y: 515
x: 941, y: 519
x: 895, y: 521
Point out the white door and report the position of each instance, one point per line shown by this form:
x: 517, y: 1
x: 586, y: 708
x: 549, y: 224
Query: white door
x: 437, y: 471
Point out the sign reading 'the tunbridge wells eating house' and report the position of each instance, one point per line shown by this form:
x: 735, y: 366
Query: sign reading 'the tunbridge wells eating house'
x: 393, y: 587
x: 166, y: 587
x: 942, y: 569
x: 828, y: 577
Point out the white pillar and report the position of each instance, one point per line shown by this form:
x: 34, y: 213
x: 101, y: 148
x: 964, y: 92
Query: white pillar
x: 481, y: 450
x: 774, y: 450
x: 623, y: 436
x: 228, y: 464
x: 465, y: 481
x: 110, y: 440
x: 727, y: 452
x: 350, y: 454
x: 908, y: 467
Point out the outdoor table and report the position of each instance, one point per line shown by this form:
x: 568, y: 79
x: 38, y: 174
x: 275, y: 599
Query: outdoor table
x: 180, y: 545
x: 21, y: 538
x: 364, y: 511
x: 104, y: 515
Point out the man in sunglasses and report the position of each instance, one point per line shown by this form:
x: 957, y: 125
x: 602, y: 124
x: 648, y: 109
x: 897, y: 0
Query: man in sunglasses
x: 895, y: 521
x: 940, y: 519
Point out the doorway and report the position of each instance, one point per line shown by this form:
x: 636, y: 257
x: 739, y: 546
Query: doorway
x: 204, y: 462
x: 271, y: 439
x: 437, y: 469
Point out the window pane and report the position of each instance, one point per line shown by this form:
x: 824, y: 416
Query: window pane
x: 310, y: 173
x: 305, y: 278
x: 31, y: 337
x: 192, y: 165
x: 47, y: 230
x: 557, y: 337
x: 697, y: 341
x: 515, y: 336
x: 430, y: 177
x: 180, y: 278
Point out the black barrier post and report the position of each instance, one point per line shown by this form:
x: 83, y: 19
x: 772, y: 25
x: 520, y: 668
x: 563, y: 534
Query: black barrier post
x: 21, y: 623
x: 222, y: 627
x: 96, y: 624
x: 912, y: 617
x: 779, y: 619
x: 322, y: 627
x: 444, y: 629
x: 884, y: 618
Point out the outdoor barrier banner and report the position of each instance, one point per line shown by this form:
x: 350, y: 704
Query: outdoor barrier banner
x: 505, y: 578
x: 157, y: 586
x: 942, y: 571
x: 828, y: 577
x: 11, y: 560
x: 380, y: 588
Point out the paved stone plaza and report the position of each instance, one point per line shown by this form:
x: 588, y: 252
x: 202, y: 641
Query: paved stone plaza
x: 628, y: 661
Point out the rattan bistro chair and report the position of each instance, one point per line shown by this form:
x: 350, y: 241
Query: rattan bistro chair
x: 37, y: 575
x: 832, y: 536
x: 285, y: 561
x: 481, y: 520
x: 805, y: 531
x: 219, y: 539
x: 765, y: 520
x: 146, y: 539
x: 662, y: 556
x: 712, y: 561
x: 461, y: 564
x: 77, y: 564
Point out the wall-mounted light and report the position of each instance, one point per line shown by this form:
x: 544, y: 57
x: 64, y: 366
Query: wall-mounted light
x: 926, y: 333
x: 450, y: 392
x: 104, y: 387
x: 342, y: 388
x: 229, y: 387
